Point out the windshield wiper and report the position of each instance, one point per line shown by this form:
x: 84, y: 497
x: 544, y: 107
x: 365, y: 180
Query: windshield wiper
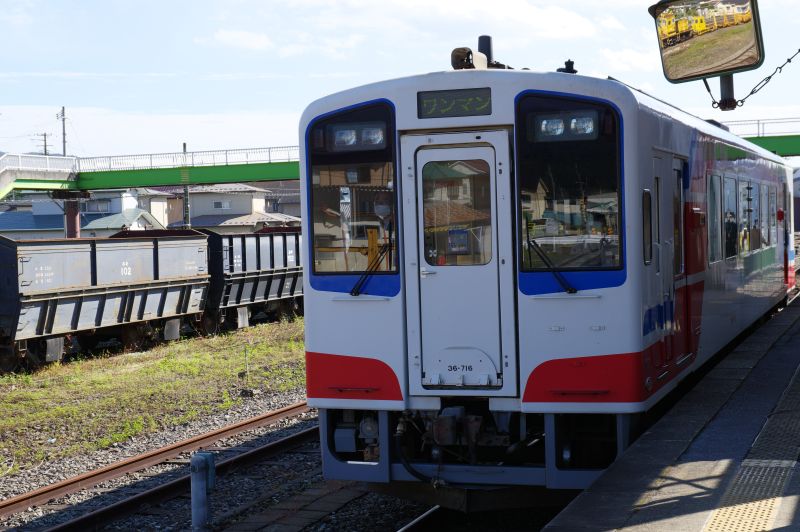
x: 371, y: 268
x: 568, y: 288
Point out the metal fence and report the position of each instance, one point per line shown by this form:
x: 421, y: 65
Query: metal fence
x: 42, y: 163
x: 195, y: 158
x: 765, y: 128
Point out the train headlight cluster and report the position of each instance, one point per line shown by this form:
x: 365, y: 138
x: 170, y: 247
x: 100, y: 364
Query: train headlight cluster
x: 576, y: 125
x: 360, y: 136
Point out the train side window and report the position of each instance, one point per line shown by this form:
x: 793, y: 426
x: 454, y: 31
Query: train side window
x: 729, y: 211
x: 765, y: 216
x: 714, y: 219
x: 773, y: 214
x: 745, y: 216
x: 647, y: 226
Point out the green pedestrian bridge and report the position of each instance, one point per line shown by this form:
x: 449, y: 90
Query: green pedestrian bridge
x: 39, y: 172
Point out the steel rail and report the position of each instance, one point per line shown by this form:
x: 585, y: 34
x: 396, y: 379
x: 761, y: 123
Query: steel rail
x: 136, y: 463
x: 421, y: 522
x: 114, y: 512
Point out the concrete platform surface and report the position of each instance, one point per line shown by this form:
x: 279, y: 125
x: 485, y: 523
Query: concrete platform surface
x: 724, y: 458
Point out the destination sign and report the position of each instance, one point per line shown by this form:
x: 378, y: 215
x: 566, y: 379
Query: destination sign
x: 453, y: 103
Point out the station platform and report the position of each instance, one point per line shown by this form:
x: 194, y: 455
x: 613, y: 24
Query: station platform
x: 724, y: 458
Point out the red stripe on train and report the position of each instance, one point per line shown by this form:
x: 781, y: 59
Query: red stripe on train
x: 595, y: 379
x: 348, y: 377
x: 627, y: 377
x: 623, y: 378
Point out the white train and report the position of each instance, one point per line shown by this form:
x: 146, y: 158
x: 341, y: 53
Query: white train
x: 505, y: 268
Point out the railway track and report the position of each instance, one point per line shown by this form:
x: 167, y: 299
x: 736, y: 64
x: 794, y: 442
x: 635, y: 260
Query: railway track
x: 116, y: 511
x: 423, y: 521
x: 158, y: 456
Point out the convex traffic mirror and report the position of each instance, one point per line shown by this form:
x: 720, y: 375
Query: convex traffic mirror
x: 707, y: 38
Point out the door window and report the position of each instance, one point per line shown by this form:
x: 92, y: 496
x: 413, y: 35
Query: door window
x: 677, y: 225
x: 764, y: 218
x: 729, y: 209
x: 755, y: 216
x: 745, y: 216
x: 647, y: 226
x: 714, y: 219
x: 457, y: 211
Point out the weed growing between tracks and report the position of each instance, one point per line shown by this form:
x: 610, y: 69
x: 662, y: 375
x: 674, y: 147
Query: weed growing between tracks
x: 90, y: 404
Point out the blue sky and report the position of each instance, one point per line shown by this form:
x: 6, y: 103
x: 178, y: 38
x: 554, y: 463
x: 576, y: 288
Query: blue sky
x: 144, y: 76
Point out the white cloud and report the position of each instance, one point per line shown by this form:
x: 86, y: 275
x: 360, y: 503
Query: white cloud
x: 65, y: 75
x: 21, y: 13
x: 610, y: 23
x: 243, y: 39
x: 242, y: 76
x: 630, y: 60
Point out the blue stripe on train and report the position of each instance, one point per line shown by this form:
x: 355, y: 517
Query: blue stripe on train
x: 657, y: 317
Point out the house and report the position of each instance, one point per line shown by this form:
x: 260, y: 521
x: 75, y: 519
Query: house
x: 229, y: 208
x: 282, y: 196
x: 156, y: 203
x: 35, y: 215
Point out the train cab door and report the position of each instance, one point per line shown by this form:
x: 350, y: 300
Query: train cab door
x: 674, y: 305
x: 457, y: 224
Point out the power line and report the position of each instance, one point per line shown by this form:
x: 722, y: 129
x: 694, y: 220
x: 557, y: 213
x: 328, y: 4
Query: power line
x: 75, y: 134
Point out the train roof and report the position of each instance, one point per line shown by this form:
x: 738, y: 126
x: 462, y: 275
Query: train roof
x: 516, y: 81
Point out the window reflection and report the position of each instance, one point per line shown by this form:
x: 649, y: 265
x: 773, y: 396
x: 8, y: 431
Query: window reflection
x: 457, y: 211
x: 569, y: 193
x: 353, y: 218
x: 729, y: 208
x: 745, y: 216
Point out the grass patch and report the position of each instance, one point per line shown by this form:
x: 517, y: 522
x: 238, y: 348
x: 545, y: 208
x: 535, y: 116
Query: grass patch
x: 95, y: 403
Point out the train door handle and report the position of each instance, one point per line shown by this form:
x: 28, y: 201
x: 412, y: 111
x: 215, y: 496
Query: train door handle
x: 424, y: 273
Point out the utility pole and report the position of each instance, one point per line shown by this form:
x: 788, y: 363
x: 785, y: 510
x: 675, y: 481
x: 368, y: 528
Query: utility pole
x: 63, y: 117
x: 44, y: 140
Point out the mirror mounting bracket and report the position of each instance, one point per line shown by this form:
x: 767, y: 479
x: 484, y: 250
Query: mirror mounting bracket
x: 727, y: 101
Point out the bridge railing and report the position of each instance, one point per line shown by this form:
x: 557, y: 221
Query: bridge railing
x: 188, y: 159
x: 42, y: 163
x: 765, y: 128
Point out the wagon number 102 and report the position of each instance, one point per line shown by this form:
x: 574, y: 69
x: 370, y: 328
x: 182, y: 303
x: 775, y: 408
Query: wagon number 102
x: 126, y: 269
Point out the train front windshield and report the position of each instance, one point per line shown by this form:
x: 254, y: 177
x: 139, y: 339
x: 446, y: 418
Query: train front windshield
x: 353, y: 196
x: 569, y: 184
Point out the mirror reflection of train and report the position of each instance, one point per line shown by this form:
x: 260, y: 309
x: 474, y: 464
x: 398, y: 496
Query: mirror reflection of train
x: 699, y: 39
x: 680, y: 24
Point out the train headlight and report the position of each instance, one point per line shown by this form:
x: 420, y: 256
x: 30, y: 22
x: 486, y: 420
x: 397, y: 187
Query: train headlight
x: 551, y: 127
x: 582, y: 125
x: 372, y: 136
x: 368, y: 428
x: 345, y: 137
